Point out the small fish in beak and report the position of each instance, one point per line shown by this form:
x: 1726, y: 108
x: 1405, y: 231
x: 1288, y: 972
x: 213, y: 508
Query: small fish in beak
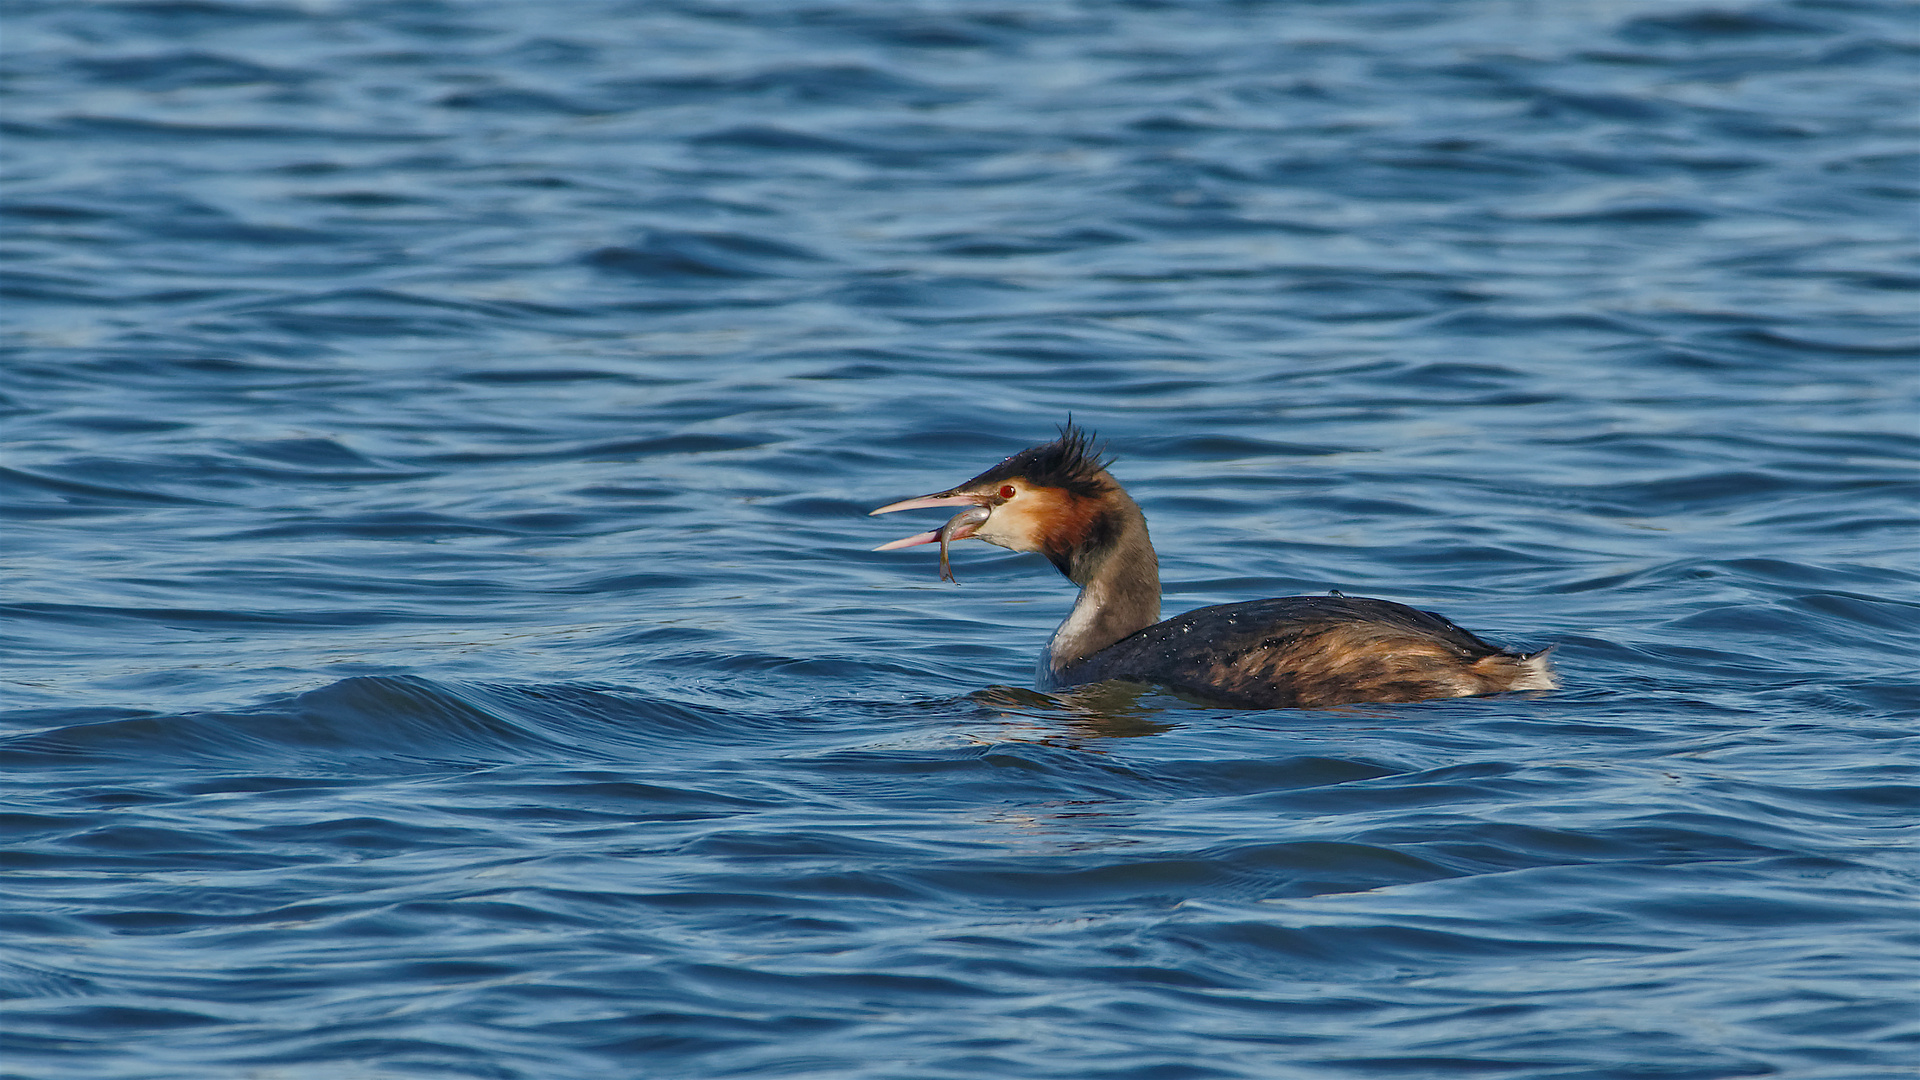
x: 959, y: 527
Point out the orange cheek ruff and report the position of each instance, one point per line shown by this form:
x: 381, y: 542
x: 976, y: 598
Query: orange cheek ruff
x: 1059, y: 521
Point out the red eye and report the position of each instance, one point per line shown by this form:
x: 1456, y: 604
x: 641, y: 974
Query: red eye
x: 1007, y: 491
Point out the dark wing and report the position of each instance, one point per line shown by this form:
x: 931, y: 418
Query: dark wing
x: 1307, y: 652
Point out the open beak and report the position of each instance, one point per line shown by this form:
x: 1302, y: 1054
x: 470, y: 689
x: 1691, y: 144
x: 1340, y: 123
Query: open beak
x: 959, y: 527
x: 944, y: 498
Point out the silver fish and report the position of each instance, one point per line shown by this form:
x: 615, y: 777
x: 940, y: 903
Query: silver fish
x: 958, y: 527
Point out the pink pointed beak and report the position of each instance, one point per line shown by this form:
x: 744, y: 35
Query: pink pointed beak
x: 955, y: 529
x: 944, y: 498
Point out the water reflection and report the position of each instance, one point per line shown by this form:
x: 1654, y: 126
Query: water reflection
x: 1110, y: 710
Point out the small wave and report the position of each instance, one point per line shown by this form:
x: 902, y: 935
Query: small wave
x: 180, y: 70
x: 20, y: 487
x: 506, y: 99
x: 667, y: 254
x: 837, y: 84
x: 404, y: 722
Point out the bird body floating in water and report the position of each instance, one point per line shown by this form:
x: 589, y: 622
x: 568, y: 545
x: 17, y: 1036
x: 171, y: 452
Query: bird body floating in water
x: 1287, y: 652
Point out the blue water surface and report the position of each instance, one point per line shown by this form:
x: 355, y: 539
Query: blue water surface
x: 440, y: 636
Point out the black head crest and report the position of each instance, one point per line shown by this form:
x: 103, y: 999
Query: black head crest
x: 1071, y: 462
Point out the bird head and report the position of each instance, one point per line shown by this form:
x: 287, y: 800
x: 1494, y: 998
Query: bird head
x: 1054, y: 498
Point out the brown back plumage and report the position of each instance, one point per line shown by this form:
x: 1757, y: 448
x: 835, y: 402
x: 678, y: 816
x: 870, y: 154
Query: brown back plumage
x: 1313, y: 652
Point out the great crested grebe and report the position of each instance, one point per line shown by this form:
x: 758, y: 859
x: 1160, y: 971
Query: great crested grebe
x: 1286, y: 652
